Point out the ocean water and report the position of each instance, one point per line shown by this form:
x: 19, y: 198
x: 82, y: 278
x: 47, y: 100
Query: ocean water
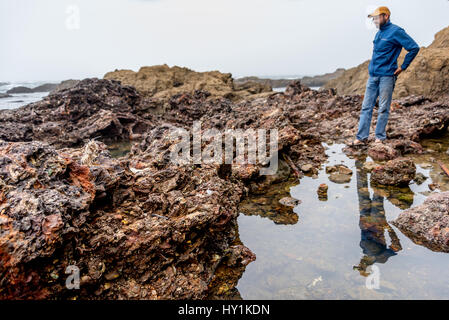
x: 21, y: 99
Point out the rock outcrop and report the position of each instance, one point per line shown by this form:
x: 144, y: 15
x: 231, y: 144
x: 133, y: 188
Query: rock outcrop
x: 428, y: 74
x: 66, y: 84
x: 94, y: 108
x: 428, y: 224
x: 134, y: 228
x: 164, y: 82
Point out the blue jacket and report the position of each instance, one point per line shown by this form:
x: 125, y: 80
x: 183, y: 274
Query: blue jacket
x: 388, y: 44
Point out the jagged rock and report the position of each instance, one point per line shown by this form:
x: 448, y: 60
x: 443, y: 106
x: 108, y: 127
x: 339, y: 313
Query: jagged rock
x: 428, y: 224
x: 172, y: 225
x: 92, y: 109
x: 4, y: 95
x: 252, y: 87
x: 290, y: 202
x: 295, y: 88
x: 124, y: 229
x: 382, y: 152
x: 66, y: 84
x: 395, y: 172
x: 412, y: 100
x: 339, y: 173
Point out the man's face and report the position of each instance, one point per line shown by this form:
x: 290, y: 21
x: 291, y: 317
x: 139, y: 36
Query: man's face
x: 380, y: 20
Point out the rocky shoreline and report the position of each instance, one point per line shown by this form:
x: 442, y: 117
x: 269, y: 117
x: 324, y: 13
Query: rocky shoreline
x: 141, y: 227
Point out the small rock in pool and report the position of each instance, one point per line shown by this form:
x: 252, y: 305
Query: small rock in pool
x: 369, y: 166
x: 420, y: 178
x: 331, y: 169
x: 322, y: 191
x: 306, y: 168
x: 339, y: 173
x: 434, y: 186
x: 290, y: 202
x: 426, y: 165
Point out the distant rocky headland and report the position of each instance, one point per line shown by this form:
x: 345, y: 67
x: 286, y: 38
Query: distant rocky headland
x: 310, y: 81
x: 46, y: 87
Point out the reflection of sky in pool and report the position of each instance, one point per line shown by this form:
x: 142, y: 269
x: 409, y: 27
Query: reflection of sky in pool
x: 327, y: 254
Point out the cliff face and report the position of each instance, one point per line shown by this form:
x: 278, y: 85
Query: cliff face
x: 428, y: 74
x: 164, y: 82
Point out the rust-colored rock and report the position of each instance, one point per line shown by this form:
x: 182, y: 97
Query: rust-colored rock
x: 141, y: 227
x: 91, y: 109
x: 396, y: 172
x: 130, y: 236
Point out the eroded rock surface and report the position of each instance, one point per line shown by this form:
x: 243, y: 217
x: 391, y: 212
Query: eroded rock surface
x: 141, y: 227
x: 398, y: 172
x: 92, y: 109
x: 428, y: 224
x: 134, y: 229
x: 164, y: 82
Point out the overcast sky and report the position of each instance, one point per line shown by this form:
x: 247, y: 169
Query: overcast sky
x: 62, y: 39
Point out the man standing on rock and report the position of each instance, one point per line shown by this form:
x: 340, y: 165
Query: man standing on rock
x: 383, y: 72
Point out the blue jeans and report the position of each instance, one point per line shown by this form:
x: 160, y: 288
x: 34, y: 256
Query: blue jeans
x: 381, y: 87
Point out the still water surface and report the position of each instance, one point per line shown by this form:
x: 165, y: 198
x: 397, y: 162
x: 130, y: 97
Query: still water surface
x: 329, y: 249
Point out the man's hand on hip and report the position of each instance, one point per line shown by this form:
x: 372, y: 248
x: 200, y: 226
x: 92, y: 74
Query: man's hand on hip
x: 398, y: 71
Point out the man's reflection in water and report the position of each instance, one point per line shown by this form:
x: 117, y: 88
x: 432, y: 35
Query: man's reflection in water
x: 373, y: 224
